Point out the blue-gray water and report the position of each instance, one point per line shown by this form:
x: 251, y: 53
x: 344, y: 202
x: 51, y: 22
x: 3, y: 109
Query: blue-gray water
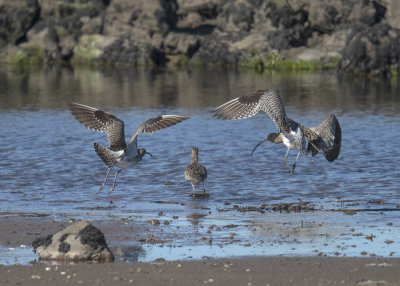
x: 48, y: 164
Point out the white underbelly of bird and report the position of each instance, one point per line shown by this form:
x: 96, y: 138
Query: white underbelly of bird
x: 295, y: 140
x: 123, y: 164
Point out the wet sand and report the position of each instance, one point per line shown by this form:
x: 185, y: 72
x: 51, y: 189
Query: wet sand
x: 243, y: 271
x: 20, y: 229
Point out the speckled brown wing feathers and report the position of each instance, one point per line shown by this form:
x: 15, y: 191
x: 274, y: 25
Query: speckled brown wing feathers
x: 328, y: 140
x: 157, y: 123
x: 249, y: 105
x: 332, y: 154
x: 195, y: 173
x: 99, y: 120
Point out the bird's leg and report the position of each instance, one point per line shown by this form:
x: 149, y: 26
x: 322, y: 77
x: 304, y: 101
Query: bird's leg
x: 105, y: 180
x: 194, y: 189
x: 294, y: 165
x: 285, y: 158
x: 204, y: 190
x: 115, y: 180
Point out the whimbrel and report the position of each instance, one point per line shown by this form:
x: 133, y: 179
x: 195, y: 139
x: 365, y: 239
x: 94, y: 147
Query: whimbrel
x: 119, y: 154
x: 195, y: 173
x: 325, y: 138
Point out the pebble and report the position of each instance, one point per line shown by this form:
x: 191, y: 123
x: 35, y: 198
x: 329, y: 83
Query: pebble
x: 155, y: 222
x: 371, y: 283
x: 35, y: 277
x: 369, y: 236
x: 47, y: 268
x: 384, y: 264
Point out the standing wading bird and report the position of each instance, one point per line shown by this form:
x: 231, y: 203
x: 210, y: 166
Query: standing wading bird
x: 325, y: 138
x: 119, y: 154
x: 195, y: 173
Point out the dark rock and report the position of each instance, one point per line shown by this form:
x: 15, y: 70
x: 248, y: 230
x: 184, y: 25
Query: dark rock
x: 181, y: 44
x: 16, y: 18
x: 147, y: 21
x: 292, y: 31
x: 42, y: 241
x: 375, y: 50
x: 166, y: 16
x: 78, y: 242
x: 130, y: 52
x: 211, y: 32
x: 368, y: 12
x: 214, y: 50
x: 324, y: 18
x: 288, y: 38
x: 205, y: 9
x: 235, y: 16
x: 285, y: 17
x: 92, y: 236
x: 62, y: 238
x: 64, y: 247
x: 61, y: 23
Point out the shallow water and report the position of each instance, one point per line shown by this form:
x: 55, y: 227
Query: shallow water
x: 48, y: 165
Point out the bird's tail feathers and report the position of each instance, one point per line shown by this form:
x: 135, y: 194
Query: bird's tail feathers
x: 108, y: 156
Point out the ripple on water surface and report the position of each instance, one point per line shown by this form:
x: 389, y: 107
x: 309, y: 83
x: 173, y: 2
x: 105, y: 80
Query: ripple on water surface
x: 49, y: 165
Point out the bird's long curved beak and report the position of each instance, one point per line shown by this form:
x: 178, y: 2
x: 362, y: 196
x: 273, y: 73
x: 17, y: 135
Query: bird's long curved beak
x: 149, y: 154
x: 262, y: 142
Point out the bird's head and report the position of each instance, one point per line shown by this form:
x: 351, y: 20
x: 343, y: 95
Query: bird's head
x: 143, y: 152
x: 274, y: 138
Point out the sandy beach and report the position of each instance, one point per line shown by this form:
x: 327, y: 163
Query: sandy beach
x: 277, y: 270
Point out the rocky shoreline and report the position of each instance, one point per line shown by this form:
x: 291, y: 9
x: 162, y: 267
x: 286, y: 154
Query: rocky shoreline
x: 357, y: 37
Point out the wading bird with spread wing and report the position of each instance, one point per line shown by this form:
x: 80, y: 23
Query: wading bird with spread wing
x: 325, y: 138
x: 119, y: 154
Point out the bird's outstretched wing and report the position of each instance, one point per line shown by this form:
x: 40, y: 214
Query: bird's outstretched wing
x: 246, y: 106
x: 99, y: 120
x: 328, y: 140
x: 153, y: 125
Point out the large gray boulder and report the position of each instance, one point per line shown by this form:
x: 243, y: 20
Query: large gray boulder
x: 80, y: 241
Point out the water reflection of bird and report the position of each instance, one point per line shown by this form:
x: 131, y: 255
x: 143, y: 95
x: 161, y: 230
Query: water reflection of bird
x: 325, y: 138
x: 195, y: 173
x: 119, y: 154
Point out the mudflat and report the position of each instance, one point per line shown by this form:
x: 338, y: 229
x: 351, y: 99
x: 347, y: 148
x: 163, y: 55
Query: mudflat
x: 22, y: 229
x: 242, y: 271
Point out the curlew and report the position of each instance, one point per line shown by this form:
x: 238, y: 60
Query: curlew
x: 120, y: 154
x: 325, y: 138
x: 195, y: 173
